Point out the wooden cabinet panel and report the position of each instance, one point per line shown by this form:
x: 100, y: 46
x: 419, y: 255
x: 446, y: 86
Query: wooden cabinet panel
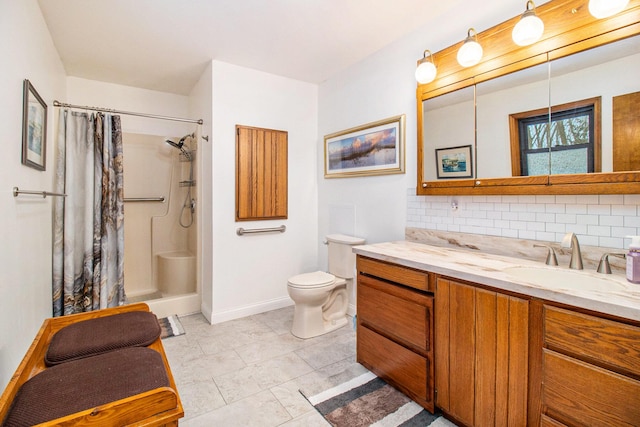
x: 550, y: 422
x: 462, y: 352
x: 581, y: 394
x: 481, y: 355
x: 626, y: 132
x: 396, y: 273
x: 396, y: 312
x: 261, y: 174
x: 401, y: 367
x: 603, y: 342
x: 442, y: 318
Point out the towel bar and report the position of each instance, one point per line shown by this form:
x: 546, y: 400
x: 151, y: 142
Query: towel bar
x: 242, y: 231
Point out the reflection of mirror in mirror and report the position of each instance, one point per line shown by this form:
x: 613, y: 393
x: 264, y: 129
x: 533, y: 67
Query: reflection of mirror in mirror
x: 608, y: 71
x: 517, y: 92
x: 448, y: 121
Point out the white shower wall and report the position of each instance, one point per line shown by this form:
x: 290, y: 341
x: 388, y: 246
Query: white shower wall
x: 152, y: 169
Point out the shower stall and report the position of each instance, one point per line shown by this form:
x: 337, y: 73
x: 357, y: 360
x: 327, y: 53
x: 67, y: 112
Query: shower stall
x: 161, y: 222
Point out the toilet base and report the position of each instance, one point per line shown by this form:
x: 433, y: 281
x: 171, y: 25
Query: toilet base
x: 300, y: 330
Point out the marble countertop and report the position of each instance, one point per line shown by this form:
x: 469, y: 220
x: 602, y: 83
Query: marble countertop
x: 612, y: 293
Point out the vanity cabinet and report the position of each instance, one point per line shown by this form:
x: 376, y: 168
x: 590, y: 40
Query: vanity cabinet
x: 395, y: 327
x: 591, y: 374
x: 481, y: 354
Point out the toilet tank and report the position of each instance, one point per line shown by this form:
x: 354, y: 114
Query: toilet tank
x: 342, y: 260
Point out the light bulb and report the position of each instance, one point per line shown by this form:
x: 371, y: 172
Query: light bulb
x: 470, y: 52
x: 529, y: 29
x: 605, y: 8
x: 426, y: 72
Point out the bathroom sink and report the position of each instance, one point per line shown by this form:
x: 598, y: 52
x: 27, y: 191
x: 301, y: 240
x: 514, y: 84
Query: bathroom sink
x: 563, y: 279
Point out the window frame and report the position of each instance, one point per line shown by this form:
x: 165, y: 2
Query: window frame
x: 515, y: 130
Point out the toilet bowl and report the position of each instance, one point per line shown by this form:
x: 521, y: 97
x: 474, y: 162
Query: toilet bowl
x: 321, y: 298
x: 321, y: 303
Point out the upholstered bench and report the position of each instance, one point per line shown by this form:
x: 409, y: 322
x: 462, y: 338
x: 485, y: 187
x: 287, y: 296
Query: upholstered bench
x: 100, y: 335
x: 121, y: 380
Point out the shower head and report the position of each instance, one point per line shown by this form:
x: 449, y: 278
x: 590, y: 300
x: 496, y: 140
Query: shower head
x: 179, y: 146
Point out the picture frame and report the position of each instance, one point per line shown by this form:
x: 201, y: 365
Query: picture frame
x: 376, y: 148
x: 34, y: 128
x: 454, y: 162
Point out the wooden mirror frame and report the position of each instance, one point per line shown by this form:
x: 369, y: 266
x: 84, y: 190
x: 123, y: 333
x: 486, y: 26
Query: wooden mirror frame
x: 569, y: 29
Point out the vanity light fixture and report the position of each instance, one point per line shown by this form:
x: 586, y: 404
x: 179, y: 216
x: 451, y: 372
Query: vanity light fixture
x: 470, y: 52
x: 426, y: 71
x: 605, y: 8
x: 530, y: 27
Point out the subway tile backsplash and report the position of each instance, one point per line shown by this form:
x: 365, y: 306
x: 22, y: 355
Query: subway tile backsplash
x: 598, y: 220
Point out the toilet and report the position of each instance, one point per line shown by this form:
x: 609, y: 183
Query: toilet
x: 321, y: 299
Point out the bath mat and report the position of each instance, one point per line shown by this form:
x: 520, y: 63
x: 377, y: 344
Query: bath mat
x: 171, y: 327
x: 369, y: 401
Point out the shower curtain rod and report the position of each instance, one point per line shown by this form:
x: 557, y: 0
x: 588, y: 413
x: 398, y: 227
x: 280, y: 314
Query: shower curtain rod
x: 129, y: 113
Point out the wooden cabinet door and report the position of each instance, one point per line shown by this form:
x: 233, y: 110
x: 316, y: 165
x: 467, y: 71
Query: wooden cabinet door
x: 261, y: 174
x: 481, y: 355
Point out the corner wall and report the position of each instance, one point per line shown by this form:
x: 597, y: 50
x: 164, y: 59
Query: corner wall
x: 26, y: 227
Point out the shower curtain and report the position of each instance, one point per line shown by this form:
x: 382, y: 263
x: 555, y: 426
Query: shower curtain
x: 88, y: 235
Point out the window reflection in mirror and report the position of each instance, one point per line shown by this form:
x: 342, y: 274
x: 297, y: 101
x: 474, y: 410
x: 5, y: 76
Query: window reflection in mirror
x: 606, y: 72
x: 448, y: 122
x: 569, y: 139
x: 497, y: 100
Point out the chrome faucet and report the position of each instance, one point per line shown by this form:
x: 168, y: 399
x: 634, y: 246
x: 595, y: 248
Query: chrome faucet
x: 570, y: 240
x: 604, y: 267
x: 552, y: 259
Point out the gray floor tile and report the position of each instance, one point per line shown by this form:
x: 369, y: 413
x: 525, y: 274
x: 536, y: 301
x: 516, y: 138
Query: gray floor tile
x: 248, y: 372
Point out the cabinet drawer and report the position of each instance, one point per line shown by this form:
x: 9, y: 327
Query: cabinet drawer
x: 398, y: 313
x: 395, y: 273
x: 400, y: 367
x: 578, y: 393
x: 613, y: 344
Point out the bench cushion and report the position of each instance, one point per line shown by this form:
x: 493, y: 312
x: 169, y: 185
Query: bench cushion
x: 102, y: 334
x: 86, y: 383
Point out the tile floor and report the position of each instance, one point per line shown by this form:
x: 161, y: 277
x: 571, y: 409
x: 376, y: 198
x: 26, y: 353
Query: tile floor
x: 247, y: 372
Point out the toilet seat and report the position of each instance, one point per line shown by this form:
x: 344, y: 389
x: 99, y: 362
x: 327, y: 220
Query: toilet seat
x: 317, y: 279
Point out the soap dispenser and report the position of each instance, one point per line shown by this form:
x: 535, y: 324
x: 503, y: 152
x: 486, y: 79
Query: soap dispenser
x: 633, y: 260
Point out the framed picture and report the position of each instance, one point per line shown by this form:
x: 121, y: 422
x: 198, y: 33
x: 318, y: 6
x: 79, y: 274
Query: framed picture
x: 454, y: 162
x: 373, y: 149
x: 34, y: 128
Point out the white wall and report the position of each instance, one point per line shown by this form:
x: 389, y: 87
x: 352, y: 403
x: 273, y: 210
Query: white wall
x: 381, y: 86
x: 25, y: 229
x: 126, y: 98
x: 250, y: 272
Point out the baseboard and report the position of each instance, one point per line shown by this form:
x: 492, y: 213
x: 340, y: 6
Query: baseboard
x: 248, y: 310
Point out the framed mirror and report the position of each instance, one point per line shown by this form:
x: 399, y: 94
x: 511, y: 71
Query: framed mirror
x: 544, y: 114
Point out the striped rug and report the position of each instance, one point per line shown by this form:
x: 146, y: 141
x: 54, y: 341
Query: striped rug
x: 369, y: 401
x: 170, y: 327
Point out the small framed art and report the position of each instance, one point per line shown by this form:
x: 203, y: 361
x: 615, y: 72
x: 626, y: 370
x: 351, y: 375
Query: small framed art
x: 454, y: 162
x: 34, y: 128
